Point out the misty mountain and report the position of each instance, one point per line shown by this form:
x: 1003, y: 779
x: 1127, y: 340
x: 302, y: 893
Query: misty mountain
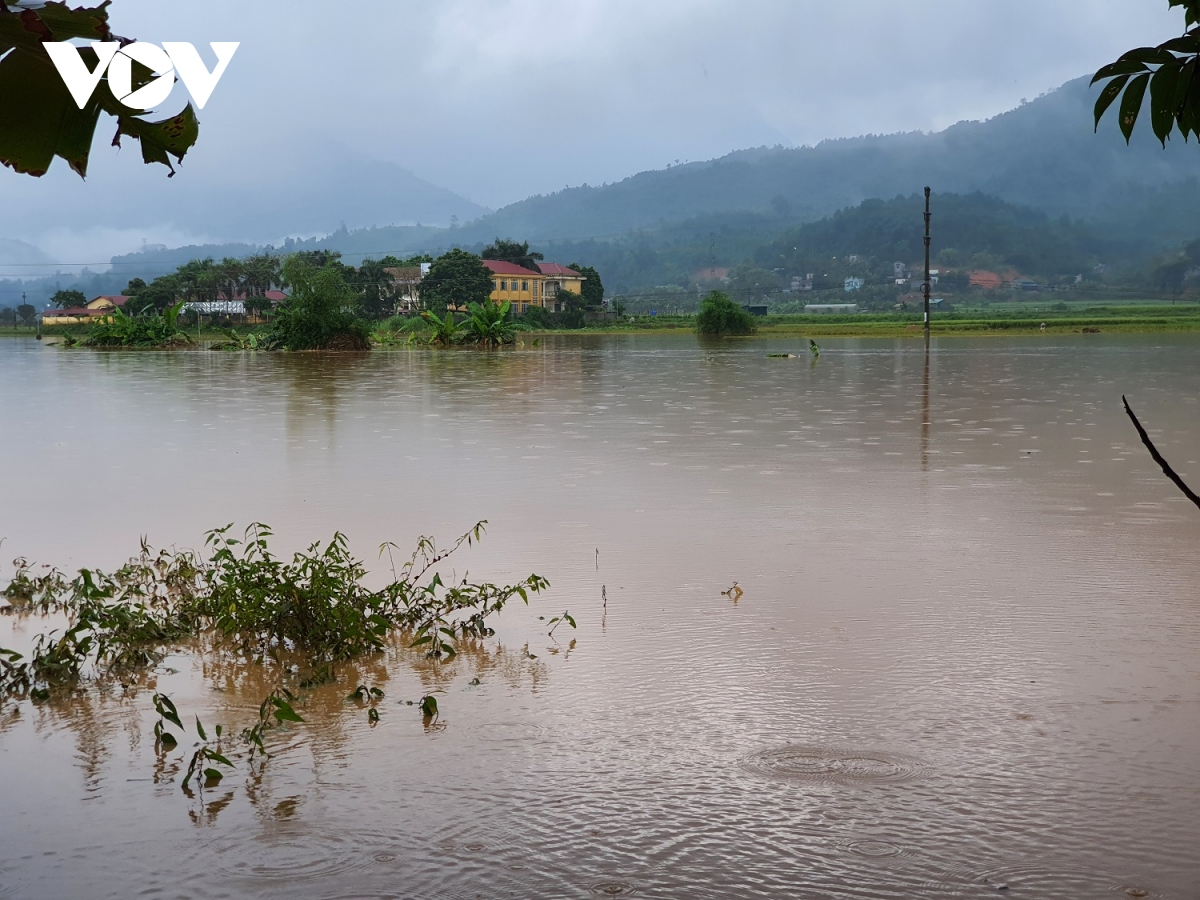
x: 1043, y: 154
x: 262, y: 197
x: 17, y: 253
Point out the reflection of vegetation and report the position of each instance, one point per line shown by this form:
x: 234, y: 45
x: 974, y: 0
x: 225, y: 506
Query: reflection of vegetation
x: 306, y: 615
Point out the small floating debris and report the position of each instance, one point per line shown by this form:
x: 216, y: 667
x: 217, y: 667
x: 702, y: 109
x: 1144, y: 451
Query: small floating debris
x: 734, y: 593
x: 813, y: 348
x: 781, y: 356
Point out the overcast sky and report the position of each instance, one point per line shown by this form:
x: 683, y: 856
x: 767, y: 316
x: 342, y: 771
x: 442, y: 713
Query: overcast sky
x: 499, y: 99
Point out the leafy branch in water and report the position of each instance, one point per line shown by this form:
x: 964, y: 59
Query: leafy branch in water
x: 558, y: 620
x: 249, y: 602
x: 206, y: 754
x: 276, y: 706
x: 367, y: 698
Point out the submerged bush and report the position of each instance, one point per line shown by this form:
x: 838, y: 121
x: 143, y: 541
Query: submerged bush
x: 146, y: 331
x: 320, y: 314
x: 489, y: 323
x: 247, y: 601
x: 720, y: 316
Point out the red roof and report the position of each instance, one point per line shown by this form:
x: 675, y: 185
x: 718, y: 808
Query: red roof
x: 114, y: 299
x: 556, y: 269
x: 500, y: 267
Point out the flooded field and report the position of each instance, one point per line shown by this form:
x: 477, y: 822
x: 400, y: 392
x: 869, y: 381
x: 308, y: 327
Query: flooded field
x: 965, y: 661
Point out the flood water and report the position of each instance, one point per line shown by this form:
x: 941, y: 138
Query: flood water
x: 966, y: 662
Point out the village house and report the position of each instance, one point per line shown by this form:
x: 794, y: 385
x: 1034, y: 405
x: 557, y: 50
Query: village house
x: 96, y: 310
x: 524, y: 288
x: 406, y: 282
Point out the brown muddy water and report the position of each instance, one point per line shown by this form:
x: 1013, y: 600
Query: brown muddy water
x: 966, y: 662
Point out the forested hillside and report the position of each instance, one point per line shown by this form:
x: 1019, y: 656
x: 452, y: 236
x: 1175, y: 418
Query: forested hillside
x: 1043, y: 154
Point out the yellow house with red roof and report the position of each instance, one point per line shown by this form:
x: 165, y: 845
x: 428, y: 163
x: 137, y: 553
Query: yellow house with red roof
x: 524, y: 287
x: 97, y: 310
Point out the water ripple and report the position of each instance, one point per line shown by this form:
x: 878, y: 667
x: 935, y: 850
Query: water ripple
x: 831, y: 764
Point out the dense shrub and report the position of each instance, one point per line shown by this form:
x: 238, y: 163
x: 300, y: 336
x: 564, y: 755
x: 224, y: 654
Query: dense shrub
x: 321, y: 313
x: 721, y: 316
x: 146, y: 331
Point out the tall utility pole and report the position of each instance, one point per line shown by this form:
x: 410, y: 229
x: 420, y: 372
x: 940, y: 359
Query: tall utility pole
x: 925, y: 287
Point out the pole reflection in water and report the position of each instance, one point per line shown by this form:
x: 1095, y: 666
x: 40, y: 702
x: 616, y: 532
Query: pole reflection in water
x: 925, y: 423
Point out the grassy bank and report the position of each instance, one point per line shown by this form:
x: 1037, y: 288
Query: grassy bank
x: 1078, y: 317
x: 1026, y: 318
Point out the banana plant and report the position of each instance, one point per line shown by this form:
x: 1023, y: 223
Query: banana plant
x: 446, y: 330
x: 489, y: 323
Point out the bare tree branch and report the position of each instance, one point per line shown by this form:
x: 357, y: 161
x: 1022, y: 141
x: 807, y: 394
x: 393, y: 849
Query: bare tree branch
x: 1167, y: 470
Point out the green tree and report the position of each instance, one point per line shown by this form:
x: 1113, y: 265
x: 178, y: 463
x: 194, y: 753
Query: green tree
x: 135, y: 286
x: 27, y: 313
x: 456, y: 278
x: 156, y: 296
x: 511, y: 251
x: 321, y: 313
x: 67, y: 299
x: 8, y: 316
x: 375, y: 287
x: 41, y: 119
x: 1168, y: 72
x: 411, y: 263
x: 593, y: 287
x: 720, y: 316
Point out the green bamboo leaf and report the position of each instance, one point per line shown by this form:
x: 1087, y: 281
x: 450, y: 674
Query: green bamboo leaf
x: 217, y: 757
x: 212, y: 776
x: 200, y: 730
x: 1131, y: 104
